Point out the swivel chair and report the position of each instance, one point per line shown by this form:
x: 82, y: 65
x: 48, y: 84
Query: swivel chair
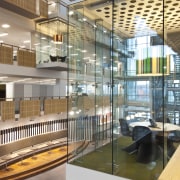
x: 140, y: 134
x: 173, y: 137
x: 147, y: 148
x: 143, y: 144
x: 124, y: 127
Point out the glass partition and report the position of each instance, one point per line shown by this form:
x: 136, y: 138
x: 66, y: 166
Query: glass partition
x: 124, y: 87
x: 89, y: 82
x: 50, y: 38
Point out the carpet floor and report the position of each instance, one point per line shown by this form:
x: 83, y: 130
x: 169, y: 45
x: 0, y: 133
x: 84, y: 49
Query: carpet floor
x: 125, y: 165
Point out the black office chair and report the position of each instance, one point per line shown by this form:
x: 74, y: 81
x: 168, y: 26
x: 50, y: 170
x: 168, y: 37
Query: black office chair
x: 124, y: 127
x: 147, y: 148
x: 173, y: 137
x: 53, y: 58
x: 140, y: 134
x: 61, y: 58
x: 143, y: 144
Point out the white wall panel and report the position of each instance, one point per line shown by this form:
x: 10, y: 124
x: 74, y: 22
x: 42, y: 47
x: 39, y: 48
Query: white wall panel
x: 79, y: 173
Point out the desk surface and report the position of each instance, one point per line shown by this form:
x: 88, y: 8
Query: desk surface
x: 167, y: 126
x: 171, y: 171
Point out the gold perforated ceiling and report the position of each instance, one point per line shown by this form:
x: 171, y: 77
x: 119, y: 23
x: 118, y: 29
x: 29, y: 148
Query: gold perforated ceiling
x: 139, y: 17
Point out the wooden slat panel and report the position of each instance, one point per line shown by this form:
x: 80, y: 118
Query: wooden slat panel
x: 7, y: 110
x: 26, y: 58
x: 29, y: 108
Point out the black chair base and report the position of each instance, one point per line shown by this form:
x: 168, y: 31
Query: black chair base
x: 148, y: 152
x: 132, y: 148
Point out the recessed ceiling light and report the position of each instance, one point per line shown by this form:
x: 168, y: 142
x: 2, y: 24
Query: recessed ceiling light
x: 57, y: 42
x: 3, y: 34
x: 53, y: 4
x: 71, y: 13
x: 84, y: 51
x: 26, y: 41
x: 36, y: 44
x: 5, y: 26
x: 21, y: 80
x: 3, y: 77
x: 22, y: 46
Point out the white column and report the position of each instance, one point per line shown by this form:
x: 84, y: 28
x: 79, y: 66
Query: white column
x: 61, y: 85
x: 9, y: 90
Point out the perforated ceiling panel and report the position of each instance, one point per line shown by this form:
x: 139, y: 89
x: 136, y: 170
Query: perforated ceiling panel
x: 139, y: 17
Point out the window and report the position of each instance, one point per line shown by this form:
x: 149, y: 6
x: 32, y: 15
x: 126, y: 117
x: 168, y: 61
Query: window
x: 138, y: 91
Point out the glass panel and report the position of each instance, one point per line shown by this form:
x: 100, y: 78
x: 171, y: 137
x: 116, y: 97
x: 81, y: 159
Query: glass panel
x: 50, y: 41
x: 89, y: 89
x: 136, y: 152
x: 171, y: 81
x: 124, y: 87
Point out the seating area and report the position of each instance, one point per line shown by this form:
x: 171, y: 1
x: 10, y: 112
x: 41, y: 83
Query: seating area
x: 58, y: 58
x: 144, y: 141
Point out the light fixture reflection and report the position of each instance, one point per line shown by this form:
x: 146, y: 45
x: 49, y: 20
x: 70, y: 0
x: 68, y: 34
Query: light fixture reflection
x: 5, y: 26
x: 71, y: 113
x: 3, y: 34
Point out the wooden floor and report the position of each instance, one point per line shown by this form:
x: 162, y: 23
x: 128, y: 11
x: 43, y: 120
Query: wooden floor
x: 38, y: 163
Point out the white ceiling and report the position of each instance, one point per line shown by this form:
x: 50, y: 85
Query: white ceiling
x: 19, y: 30
x: 19, y: 33
x: 26, y: 80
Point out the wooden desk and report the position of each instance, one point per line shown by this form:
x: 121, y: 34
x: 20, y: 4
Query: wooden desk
x: 168, y: 127
x: 171, y: 171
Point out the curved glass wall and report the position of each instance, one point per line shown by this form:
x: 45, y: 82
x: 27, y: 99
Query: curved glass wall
x: 124, y: 86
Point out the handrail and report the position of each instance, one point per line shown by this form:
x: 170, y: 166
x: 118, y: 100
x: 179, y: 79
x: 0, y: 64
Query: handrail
x: 30, y: 151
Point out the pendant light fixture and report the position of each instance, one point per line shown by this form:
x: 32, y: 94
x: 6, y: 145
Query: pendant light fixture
x: 58, y: 37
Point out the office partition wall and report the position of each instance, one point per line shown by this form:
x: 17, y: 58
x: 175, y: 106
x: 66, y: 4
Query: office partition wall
x: 124, y: 52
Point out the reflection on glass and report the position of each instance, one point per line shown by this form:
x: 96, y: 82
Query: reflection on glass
x: 128, y: 69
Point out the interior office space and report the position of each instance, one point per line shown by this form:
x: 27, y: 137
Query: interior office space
x: 78, y: 69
